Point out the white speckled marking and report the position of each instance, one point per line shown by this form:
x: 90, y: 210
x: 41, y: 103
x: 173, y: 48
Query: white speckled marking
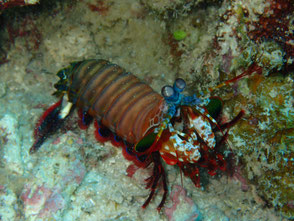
x: 203, y: 128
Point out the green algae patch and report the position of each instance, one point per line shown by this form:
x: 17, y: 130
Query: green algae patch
x: 179, y: 35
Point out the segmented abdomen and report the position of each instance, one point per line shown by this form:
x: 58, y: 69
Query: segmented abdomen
x: 116, y: 98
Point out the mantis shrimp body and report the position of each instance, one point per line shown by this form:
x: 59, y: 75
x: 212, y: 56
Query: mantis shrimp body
x: 178, y: 129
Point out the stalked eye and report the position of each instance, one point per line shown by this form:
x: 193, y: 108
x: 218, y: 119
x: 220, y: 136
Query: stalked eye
x: 167, y: 91
x: 180, y: 84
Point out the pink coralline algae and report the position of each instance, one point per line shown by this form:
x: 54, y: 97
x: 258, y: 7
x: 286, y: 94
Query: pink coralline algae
x: 54, y: 203
x: 75, y: 174
x: 179, y: 198
x: 238, y: 176
x: 49, y: 199
x: 41, y: 201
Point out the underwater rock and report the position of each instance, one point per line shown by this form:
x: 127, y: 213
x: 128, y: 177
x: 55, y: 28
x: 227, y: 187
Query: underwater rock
x: 264, y: 137
x: 10, y: 144
x: 9, y: 207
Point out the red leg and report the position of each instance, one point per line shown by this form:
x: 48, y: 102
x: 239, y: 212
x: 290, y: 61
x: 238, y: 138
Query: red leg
x: 158, y: 172
x: 230, y: 124
x: 192, y: 171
